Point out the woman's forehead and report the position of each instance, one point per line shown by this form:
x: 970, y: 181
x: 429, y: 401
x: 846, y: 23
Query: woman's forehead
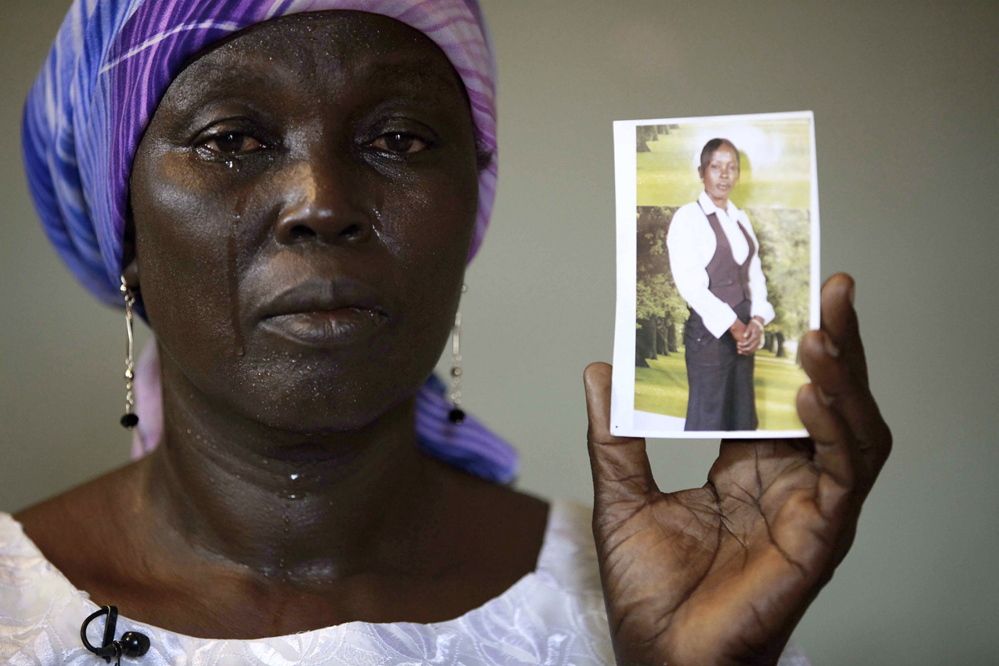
x: 724, y: 153
x: 318, y: 45
x: 334, y: 27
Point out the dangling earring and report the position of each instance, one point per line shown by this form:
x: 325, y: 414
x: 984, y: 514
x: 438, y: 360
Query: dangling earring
x: 456, y: 415
x: 128, y: 420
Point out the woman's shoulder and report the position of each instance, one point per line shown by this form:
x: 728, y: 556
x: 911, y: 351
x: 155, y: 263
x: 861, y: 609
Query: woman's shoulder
x: 688, y: 219
x: 22, y: 564
x: 688, y: 211
x: 14, y: 545
x: 38, y: 605
x: 568, y: 555
x: 71, y: 530
x: 556, y: 614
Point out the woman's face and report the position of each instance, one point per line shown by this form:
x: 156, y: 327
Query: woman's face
x: 721, y: 174
x: 303, y: 203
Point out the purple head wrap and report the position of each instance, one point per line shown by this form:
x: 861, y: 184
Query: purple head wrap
x: 111, y: 63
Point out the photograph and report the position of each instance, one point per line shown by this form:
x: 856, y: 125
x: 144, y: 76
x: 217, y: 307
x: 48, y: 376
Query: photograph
x: 717, y: 222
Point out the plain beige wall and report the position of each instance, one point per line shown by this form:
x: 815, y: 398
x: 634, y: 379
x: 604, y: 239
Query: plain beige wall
x: 905, y: 102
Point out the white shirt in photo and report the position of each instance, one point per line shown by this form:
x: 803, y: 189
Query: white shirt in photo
x: 691, y: 244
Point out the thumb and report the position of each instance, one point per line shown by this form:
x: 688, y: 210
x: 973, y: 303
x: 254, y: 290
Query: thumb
x: 620, y: 466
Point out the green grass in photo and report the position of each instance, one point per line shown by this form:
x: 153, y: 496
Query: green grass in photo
x: 662, y: 389
x: 777, y: 381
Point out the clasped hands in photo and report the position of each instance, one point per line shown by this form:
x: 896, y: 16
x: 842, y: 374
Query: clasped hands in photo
x: 748, y: 336
x: 722, y: 574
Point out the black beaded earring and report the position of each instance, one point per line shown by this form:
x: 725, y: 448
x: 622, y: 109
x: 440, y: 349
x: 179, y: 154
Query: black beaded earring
x: 129, y: 419
x: 456, y: 415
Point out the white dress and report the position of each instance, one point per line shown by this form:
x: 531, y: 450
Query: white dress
x: 553, y: 616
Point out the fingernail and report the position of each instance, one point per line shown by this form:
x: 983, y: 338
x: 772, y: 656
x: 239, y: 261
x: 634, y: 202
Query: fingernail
x: 823, y: 398
x: 830, y: 348
x: 853, y: 291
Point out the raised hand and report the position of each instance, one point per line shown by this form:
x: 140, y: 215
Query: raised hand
x: 722, y: 574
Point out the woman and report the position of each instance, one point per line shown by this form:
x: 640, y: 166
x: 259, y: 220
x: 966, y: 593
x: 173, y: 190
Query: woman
x: 291, y: 200
x: 715, y: 261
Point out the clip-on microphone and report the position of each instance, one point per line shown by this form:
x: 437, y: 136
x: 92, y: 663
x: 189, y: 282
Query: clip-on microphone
x: 132, y: 643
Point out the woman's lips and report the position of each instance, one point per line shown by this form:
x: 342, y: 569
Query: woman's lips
x: 324, y: 313
x: 326, y: 328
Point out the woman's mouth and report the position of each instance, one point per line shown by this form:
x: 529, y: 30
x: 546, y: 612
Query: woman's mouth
x: 326, y: 328
x: 324, y: 313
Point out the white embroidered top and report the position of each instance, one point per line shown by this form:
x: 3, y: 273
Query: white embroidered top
x: 553, y: 616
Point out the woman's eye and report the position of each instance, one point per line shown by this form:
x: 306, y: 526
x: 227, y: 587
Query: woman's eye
x: 400, y: 143
x: 232, y: 143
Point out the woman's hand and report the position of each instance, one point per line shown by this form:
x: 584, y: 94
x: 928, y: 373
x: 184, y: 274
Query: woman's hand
x: 722, y: 574
x: 748, y: 337
x: 752, y: 340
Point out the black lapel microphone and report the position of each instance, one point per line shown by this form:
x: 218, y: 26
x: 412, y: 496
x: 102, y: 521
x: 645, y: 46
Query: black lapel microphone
x: 132, y: 643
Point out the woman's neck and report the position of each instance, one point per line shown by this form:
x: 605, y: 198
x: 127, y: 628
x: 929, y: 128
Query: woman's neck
x: 719, y: 202
x: 301, y: 506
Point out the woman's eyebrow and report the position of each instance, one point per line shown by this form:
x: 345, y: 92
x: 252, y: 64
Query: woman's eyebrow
x: 424, y: 72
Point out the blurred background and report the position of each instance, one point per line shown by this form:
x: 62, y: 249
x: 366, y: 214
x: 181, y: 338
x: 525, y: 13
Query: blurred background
x: 906, y: 110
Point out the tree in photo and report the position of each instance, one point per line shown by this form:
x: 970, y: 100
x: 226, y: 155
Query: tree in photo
x: 785, y: 254
x: 644, y: 134
x: 660, y: 307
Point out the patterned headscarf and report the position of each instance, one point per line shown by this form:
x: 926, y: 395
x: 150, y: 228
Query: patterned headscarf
x: 111, y: 63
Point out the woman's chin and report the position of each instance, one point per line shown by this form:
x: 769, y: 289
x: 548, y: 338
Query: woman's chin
x: 321, y: 407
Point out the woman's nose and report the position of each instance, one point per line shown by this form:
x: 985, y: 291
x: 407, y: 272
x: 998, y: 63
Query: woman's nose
x: 320, y: 205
